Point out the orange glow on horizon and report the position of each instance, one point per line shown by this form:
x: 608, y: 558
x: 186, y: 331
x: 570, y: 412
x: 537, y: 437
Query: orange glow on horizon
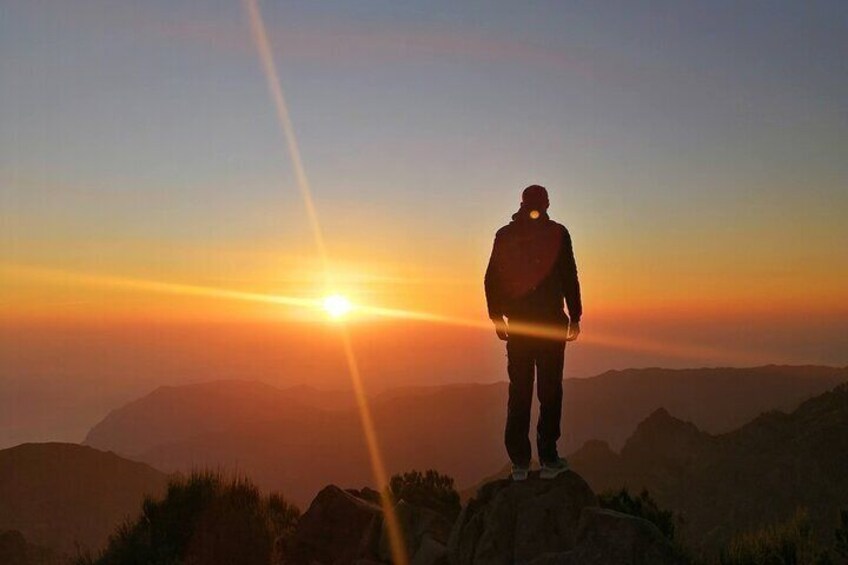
x: 337, y: 306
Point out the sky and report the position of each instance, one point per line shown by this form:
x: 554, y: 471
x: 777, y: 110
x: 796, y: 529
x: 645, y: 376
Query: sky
x: 696, y: 151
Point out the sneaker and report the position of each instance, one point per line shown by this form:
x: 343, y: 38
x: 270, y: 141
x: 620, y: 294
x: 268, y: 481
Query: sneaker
x: 551, y: 469
x: 520, y: 472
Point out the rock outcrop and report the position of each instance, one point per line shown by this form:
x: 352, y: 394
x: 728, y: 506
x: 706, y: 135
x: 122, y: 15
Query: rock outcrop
x: 553, y: 522
x: 534, y: 522
x: 339, y: 527
x: 342, y: 527
x: 13, y: 548
x: 606, y: 537
x: 425, y: 533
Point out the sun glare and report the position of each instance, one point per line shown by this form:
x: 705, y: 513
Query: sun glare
x: 337, y: 306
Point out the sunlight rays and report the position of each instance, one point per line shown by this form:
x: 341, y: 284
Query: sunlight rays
x: 338, y: 307
x: 263, y: 48
x: 559, y: 332
x: 62, y: 277
x: 275, y: 88
x: 364, y: 310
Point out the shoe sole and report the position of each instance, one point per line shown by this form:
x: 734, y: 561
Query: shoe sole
x: 552, y: 473
x: 522, y: 477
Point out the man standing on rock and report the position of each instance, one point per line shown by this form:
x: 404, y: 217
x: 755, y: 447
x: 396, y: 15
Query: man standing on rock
x: 531, y: 271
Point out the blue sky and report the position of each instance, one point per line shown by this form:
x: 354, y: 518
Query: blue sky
x: 656, y: 125
x: 696, y: 150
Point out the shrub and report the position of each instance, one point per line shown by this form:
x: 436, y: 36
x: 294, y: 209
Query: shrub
x: 787, y: 543
x: 642, y: 506
x: 429, y: 489
x: 204, y: 518
x: 841, y: 546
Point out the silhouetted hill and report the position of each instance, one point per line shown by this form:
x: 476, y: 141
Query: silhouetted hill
x: 58, y: 494
x: 16, y: 550
x: 717, y: 400
x: 298, y: 440
x: 174, y: 413
x: 752, y: 476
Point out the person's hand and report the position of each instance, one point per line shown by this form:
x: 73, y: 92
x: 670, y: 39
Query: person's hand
x: 501, y: 328
x: 573, y: 331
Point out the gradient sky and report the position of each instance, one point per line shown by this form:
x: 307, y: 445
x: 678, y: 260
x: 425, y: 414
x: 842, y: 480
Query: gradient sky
x: 696, y: 151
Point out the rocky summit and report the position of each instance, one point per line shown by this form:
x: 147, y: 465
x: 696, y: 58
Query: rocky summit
x: 346, y: 526
x: 533, y: 522
x: 547, y: 522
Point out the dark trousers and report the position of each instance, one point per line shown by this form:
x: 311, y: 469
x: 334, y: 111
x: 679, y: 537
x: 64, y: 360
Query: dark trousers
x: 546, y: 359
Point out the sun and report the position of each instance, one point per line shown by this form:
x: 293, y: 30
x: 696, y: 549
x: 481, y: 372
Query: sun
x: 337, y: 306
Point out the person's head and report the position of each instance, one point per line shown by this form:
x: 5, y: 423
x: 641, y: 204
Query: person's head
x: 535, y: 199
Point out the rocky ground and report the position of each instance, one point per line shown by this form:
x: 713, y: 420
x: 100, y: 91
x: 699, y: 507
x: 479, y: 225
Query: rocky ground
x: 535, y: 522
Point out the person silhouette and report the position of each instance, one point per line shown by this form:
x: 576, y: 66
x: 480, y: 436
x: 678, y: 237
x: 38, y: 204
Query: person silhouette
x: 531, y: 270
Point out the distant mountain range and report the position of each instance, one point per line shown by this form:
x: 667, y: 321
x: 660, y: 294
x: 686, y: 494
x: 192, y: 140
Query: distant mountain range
x: 63, y: 496
x: 721, y: 484
x: 298, y: 440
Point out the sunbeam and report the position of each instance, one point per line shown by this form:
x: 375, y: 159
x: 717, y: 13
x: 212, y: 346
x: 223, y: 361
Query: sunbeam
x: 263, y: 48
x: 275, y: 87
x: 618, y: 342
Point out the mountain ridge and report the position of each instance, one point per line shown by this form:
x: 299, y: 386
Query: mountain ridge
x: 425, y: 427
x: 775, y: 463
x: 60, y: 495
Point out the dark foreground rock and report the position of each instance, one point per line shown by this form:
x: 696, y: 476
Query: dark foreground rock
x: 425, y: 532
x: 606, y: 537
x: 346, y: 527
x: 13, y: 548
x: 534, y: 522
x: 339, y: 527
x: 554, y: 522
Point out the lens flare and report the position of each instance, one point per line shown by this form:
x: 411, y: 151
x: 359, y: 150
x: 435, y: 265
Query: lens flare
x: 397, y: 544
x: 337, y: 306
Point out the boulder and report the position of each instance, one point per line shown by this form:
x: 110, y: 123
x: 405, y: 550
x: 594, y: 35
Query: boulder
x: 365, y: 493
x: 430, y: 552
x: 607, y: 537
x: 552, y: 522
x: 514, y: 522
x: 346, y: 526
x: 13, y: 548
x: 421, y: 527
x: 338, y: 528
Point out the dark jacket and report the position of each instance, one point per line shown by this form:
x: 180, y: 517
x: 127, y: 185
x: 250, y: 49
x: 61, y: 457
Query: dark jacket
x: 531, y: 270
